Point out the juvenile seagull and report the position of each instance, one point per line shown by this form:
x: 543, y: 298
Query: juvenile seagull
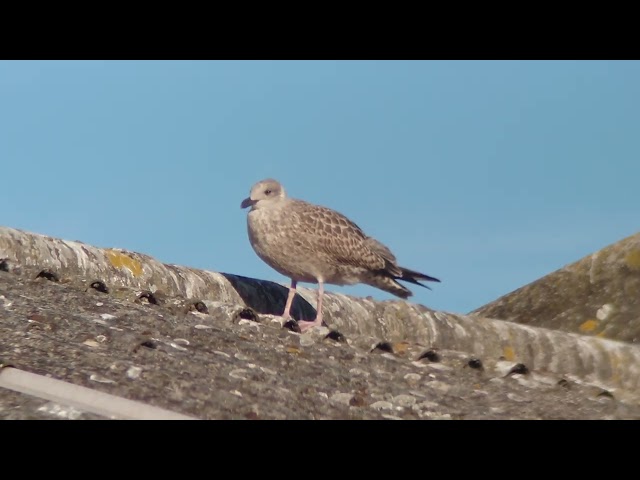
x: 314, y: 244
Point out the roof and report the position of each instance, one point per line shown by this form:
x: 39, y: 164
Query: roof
x: 207, y: 345
x: 597, y: 295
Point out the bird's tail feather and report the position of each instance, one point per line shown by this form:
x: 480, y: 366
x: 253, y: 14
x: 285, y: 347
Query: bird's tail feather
x: 412, y: 276
x: 388, y: 280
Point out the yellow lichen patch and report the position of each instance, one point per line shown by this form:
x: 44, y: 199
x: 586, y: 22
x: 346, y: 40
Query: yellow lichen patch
x: 121, y: 260
x: 588, y: 326
x: 633, y: 259
x: 400, y: 348
x: 508, y: 354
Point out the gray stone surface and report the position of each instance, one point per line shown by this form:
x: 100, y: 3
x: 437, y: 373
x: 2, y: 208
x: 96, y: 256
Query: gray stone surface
x: 598, y: 295
x: 18, y: 406
x: 207, y: 345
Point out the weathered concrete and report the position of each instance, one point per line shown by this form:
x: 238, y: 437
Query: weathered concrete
x: 598, y: 295
x: 208, y: 346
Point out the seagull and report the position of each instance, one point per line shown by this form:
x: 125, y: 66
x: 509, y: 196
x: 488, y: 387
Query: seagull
x: 315, y: 244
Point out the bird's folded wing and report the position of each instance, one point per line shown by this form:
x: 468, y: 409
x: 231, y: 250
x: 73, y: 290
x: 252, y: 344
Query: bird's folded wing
x: 332, y: 233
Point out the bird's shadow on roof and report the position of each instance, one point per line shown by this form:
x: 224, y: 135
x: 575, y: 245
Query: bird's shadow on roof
x: 269, y: 297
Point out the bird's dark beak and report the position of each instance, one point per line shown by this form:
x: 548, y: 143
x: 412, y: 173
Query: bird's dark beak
x: 247, y: 202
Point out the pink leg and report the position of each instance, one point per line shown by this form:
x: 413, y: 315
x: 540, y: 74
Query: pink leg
x: 305, y: 325
x: 292, y: 293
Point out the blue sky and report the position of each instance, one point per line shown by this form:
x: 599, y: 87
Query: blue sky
x: 485, y: 174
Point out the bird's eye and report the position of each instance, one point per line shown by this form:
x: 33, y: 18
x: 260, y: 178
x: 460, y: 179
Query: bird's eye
x: 268, y: 192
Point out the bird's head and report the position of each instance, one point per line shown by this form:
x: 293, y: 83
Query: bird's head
x: 263, y: 194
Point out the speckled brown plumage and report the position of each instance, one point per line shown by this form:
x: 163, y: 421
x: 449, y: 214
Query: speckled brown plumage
x: 311, y: 243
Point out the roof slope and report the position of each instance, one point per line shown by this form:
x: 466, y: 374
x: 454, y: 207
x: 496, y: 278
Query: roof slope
x: 206, y: 345
x: 597, y: 295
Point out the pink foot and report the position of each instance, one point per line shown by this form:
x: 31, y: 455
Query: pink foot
x: 307, y: 325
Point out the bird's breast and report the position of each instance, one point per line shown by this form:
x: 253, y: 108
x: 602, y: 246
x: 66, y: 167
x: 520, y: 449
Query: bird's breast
x: 278, y: 240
